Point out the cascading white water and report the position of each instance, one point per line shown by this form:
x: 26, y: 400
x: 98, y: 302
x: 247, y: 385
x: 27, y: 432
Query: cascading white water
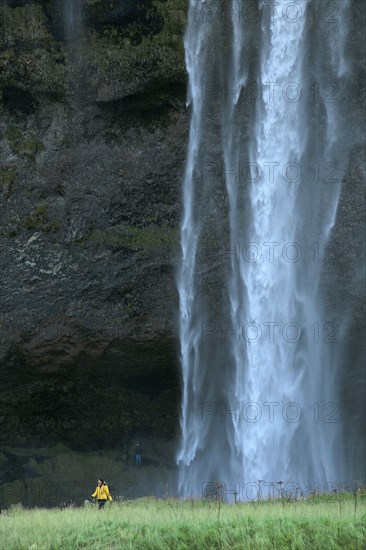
x: 280, y: 363
x: 196, y: 45
x: 275, y: 372
x: 74, y: 34
x: 73, y: 19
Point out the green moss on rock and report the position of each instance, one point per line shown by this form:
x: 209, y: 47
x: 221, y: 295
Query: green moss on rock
x: 38, y: 219
x: 7, y: 180
x: 113, y: 61
x: 174, y: 15
x: 150, y: 238
x: 25, y: 24
x: 12, y: 134
x: 119, y: 65
x: 125, y: 69
x: 29, y: 57
x: 29, y: 146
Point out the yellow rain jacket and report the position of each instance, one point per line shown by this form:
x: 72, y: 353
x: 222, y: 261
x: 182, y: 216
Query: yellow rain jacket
x: 102, y: 492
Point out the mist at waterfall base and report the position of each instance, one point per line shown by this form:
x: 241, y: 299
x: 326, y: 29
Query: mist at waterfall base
x: 270, y: 136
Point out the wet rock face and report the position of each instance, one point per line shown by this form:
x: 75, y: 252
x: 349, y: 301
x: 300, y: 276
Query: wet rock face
x: 90, y: 392
x: 93, y: 134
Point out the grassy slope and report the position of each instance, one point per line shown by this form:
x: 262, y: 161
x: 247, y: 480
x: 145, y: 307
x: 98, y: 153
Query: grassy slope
x: 166, y: 524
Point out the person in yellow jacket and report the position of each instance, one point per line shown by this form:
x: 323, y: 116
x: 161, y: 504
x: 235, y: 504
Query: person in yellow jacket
x: 102, y: 493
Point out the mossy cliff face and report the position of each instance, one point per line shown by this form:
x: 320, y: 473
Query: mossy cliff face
x: 93, y: 135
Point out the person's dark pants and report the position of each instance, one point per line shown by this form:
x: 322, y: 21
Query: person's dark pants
x: 138, y: 459
x: 101, y: 503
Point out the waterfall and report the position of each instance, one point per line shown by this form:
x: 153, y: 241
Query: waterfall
x: 259, y: 394
x: 74, y: 32
x: 73, y: 20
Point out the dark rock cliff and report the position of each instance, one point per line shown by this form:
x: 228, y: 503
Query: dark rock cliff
x: 93, y: 133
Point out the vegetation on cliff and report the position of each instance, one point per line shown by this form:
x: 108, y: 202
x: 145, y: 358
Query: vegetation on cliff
x: 115, y: 56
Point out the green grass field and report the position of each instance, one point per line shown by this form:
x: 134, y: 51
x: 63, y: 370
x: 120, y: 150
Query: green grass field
x: 171, y: 524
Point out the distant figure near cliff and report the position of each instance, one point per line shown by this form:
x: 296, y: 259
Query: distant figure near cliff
x: 138, y: 454
x: 124, y: 454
